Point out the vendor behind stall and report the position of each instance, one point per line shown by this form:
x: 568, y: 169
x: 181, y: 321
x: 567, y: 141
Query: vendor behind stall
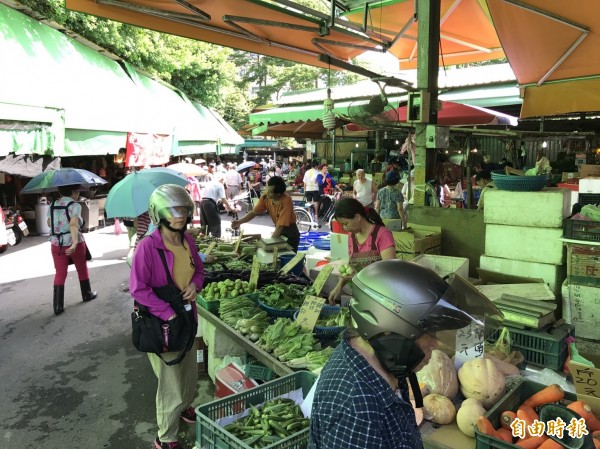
x: 281, y: 209
x: 399, y: 310
x: 369, y: 240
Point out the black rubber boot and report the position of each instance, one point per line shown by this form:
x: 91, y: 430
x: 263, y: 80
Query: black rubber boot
x: 58, y: 301
x: 86, y: 291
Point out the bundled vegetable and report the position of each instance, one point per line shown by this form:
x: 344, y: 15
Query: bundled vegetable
x: 341, y: 319
x: 232, y: 310
x: 275, y: 420
x: 286, y: 339
x: 346, y: 270
x: 312, y: 360
x: 253, y: 327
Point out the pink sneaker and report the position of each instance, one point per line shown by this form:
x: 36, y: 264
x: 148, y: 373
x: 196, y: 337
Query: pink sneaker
x: 189, y: 415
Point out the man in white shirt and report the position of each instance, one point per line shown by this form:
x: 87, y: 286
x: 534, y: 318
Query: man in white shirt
x: 233, y: 181
x: 364, y: 190
x: 213, y: 193
x: 311, y: 187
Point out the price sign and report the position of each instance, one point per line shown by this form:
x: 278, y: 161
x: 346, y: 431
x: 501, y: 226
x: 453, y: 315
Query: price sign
x: 310, y: 311
x: 236, y: 247
x: 211, y: 246
x: 469, y: 343
x: 253, y: 282
x: 275, y: 259
x: 292, y: 263
x: 586, y: 380
x: 322, y: 279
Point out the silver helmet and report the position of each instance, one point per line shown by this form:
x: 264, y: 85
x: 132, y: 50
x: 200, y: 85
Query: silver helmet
x: 407, y: 299
x: 165, y: 202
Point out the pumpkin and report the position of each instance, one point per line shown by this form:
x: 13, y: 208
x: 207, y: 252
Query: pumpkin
x: 468, y: 413
x: 440, y: 375
x: 482, y: 380
x: 438, y: 409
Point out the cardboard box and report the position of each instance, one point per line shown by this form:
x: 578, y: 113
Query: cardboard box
x: 416, y: 240
x: 583, y: 265
x: 581, y: 308
x: 339, y: 246
x: 526, y: 243
x: 589, y: 170
x: 444, y: 265
x: 587, y: 381
x: 232, y: 380
x: 589, y: 185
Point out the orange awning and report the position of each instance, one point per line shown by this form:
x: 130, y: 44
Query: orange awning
x: 466, y: 30
x: 552, y: 47
x: 250, y: 25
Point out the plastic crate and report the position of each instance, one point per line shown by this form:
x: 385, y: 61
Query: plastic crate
x: 211, y: 305
x: 589, y: 198
x: 545, y: 347
x: 581, y: 230
x: 256, y: 370
x: 476, y: 195
x: 209, y: 435
x: 510, y: 401
x: 519, y: 183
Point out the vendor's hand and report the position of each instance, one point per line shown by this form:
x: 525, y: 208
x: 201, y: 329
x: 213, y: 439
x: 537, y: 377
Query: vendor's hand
x: 235, y: 224
x: 71, y: 249
x: 335, y: 294
x: 189, y: 293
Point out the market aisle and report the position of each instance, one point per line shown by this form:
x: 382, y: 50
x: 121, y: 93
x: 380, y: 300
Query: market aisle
x: 75, y: 380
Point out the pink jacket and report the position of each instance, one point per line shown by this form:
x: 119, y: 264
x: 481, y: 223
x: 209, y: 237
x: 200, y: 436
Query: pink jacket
x: 147, y: 272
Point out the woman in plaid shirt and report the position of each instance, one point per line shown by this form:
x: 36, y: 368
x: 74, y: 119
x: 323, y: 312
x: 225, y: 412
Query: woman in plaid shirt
x: 361, y: 398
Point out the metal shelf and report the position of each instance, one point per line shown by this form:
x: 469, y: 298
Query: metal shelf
x: 262, y: 356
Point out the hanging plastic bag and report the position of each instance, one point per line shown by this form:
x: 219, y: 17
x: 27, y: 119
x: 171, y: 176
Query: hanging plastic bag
x: 117, y: 229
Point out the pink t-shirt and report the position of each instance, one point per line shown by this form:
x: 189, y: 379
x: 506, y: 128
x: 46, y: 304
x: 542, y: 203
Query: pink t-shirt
x: 384, y: 240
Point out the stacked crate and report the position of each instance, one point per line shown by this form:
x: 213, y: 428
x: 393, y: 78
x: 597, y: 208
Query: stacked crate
x: 523, y: 234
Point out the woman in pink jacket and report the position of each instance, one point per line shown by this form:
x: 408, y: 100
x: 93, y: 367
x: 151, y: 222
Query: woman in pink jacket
x: 171, y: 209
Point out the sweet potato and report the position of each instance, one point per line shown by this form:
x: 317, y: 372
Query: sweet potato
x: 552, y: 393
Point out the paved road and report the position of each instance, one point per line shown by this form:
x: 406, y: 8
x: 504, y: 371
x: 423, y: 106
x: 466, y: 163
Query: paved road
x: 75, y: 380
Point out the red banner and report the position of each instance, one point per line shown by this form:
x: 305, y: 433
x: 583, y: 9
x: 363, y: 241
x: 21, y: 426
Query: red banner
x: 145, y: 150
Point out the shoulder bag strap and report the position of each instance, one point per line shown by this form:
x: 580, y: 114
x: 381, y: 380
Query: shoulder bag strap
x: 374, y: 237
x: 161, y: 252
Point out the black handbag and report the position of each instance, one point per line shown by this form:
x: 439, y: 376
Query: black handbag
x: 151, y: 334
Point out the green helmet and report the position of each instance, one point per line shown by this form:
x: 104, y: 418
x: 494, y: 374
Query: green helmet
x: 165, y: 202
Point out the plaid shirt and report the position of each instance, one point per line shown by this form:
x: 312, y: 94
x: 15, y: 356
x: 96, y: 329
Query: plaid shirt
x: 355, y: 408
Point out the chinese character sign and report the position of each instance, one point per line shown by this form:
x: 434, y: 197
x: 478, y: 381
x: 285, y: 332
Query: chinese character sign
x: 144, y: 150
x: 469, y: 343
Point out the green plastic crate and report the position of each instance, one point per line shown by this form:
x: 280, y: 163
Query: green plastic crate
x: 545, y: 347
x: 510, y: 401
x: 256, y: 370
x: 212, y: 306
x: 209, y: 435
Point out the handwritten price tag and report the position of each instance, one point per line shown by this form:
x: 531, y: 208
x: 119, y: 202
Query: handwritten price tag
x: 211, y: 246
x: 310, y: 311
x: 586, y: 379
x: 469, y: 343
x: 253, y: 282
x: 275, y: 259
x: 292, y: 263
x: 322, y: 278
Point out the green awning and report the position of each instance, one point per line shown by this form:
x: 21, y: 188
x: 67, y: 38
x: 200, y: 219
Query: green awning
x: 488, y: 96
x: 223, y: 132
x: 258, y: 143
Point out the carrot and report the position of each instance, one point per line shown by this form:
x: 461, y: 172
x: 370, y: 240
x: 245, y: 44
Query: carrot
x: 485, y: 426
x: 506, y: 418
x: 527, y: 414
x: 550, y: 444
x: 552, y: 393
x: 586, y: 413
x: 504, y: 435
x: 532, y: 442
x: 596, y: 439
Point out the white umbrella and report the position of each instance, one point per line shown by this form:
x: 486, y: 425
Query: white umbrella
x: 187, y: 169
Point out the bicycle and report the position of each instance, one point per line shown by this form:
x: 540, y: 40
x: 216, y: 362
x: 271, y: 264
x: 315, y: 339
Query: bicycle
x: 305, y: 215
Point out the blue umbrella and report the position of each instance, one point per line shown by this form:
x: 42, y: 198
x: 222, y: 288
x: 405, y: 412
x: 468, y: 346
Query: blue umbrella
x: 129, y: 197
x: 245, y: 165
x: 51, y: 180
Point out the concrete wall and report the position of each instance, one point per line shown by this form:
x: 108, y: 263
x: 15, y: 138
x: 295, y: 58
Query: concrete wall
x: 463, y: 231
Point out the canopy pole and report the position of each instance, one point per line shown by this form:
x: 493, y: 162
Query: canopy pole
x: 428, y: 18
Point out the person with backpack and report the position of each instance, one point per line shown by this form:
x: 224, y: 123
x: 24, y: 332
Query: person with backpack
x: 67, y: 245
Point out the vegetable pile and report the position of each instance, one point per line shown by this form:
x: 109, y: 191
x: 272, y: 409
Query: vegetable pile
x: 340, y: 319
x: 282, y: 296
x: 225, y: 289
x: 243, y: 315
x: 287, y: 340
x: 312, y: 360
x: 277, y: 419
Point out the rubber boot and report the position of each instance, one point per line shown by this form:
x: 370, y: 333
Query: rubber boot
x: 86, y: 291
x: 58, y: 301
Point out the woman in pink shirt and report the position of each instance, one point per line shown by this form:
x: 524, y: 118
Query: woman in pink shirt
x: 369, y: 240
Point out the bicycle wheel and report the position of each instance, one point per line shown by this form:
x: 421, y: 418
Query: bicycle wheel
x: 303, y: 220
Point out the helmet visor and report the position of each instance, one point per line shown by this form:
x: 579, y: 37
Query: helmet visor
x: 175, y: 212
x: 461, y: 317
